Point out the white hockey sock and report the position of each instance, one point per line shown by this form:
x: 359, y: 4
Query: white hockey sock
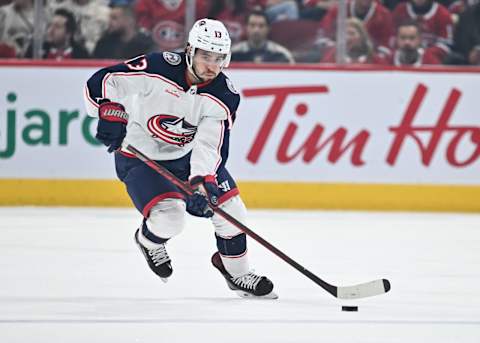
x: 236, y: 265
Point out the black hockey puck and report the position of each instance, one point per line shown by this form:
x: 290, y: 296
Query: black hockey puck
x: 350, y: 308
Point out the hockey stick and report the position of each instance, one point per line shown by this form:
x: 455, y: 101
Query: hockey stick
x: 362, y: 290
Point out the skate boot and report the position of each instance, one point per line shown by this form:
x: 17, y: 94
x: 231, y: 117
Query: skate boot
x: 157, y: 259
x: 248, y: 285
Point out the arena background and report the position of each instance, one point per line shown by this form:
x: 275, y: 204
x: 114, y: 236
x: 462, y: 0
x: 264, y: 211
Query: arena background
x: 378, y: 138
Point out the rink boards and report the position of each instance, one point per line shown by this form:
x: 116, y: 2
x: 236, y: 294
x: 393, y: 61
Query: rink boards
x: 305, y: 137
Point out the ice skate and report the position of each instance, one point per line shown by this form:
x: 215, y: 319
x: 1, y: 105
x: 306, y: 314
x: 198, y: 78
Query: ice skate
x: 157, y: 259
x: 249, y: 285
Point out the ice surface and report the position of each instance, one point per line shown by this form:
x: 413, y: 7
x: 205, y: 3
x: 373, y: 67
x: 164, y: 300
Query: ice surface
x: 75, y: 275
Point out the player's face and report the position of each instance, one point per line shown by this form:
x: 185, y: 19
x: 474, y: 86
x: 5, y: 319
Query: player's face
x: 57, y: 31
x: 408, y: 38
x: 207, y: 64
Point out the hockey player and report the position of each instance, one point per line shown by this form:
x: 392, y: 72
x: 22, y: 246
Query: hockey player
x: 178, y: 109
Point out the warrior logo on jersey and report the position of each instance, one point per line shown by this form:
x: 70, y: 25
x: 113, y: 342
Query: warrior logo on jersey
x: 172, y: 58
x: 171, y: 129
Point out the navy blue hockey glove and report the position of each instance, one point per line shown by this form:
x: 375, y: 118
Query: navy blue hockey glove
x: 204, y: 197
x: 112, y: 124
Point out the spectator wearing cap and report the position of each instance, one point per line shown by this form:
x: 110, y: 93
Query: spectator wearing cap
x: 122, y: 40
x: 409, y: 50
x: 60, y: 43
x: 257, y: 48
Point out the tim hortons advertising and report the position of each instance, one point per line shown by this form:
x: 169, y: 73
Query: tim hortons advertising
x: 376, y: 127
x: 292, y: 125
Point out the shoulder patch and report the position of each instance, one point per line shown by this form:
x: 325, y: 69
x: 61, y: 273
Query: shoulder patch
x: 172, y: 58
x: 231, y: 86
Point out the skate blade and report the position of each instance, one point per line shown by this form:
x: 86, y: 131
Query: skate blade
x: 164, y: 279
x: 242, y: 294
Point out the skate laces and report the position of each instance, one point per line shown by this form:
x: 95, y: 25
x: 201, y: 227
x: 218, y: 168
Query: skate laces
x: 247, y: 281
x: 159, y: 255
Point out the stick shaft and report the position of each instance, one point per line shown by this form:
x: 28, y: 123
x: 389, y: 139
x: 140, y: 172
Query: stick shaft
x: 185, y: 187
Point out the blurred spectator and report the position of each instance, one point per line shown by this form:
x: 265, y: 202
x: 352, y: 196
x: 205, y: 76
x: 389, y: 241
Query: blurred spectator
x: 359, y: 47
x: 257, y: 48
x: 122, y: 40
x: 409, y: 50
x: 467, y: 35
x: 165, y: 19
x: 277, y: 10
x: 59, y: 43
x: 456, y: 7
x: 376, y: 18
x: 92, y: 18
x: 232, y: 13
x: 16, y: 25
x: 315, y: 9
x: 435, y: 23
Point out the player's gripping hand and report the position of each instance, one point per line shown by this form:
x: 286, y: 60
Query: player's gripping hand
x: 112, y: 123
x: 204, y: 197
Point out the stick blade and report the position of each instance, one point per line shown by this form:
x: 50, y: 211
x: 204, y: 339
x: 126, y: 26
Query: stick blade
x: 364, y: 290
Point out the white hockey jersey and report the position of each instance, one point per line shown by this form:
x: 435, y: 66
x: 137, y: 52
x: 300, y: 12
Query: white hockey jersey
x: 168, y: 117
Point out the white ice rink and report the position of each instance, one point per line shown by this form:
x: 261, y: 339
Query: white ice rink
x: 75, y: 275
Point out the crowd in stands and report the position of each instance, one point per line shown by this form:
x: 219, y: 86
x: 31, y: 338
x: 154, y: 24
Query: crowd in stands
x: 386, y: 32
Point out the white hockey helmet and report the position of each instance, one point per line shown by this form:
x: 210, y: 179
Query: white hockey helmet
x: 209, y: 35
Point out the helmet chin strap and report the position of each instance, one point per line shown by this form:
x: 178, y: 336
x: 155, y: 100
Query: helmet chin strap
x: 191, y: 69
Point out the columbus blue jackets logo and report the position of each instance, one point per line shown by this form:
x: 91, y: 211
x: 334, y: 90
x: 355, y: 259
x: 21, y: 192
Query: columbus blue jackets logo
x: 171, y: 129
x: 172, y: 58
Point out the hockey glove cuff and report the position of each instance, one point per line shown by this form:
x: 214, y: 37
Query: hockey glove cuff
x: 204, y: 197
x: 112, y: 123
